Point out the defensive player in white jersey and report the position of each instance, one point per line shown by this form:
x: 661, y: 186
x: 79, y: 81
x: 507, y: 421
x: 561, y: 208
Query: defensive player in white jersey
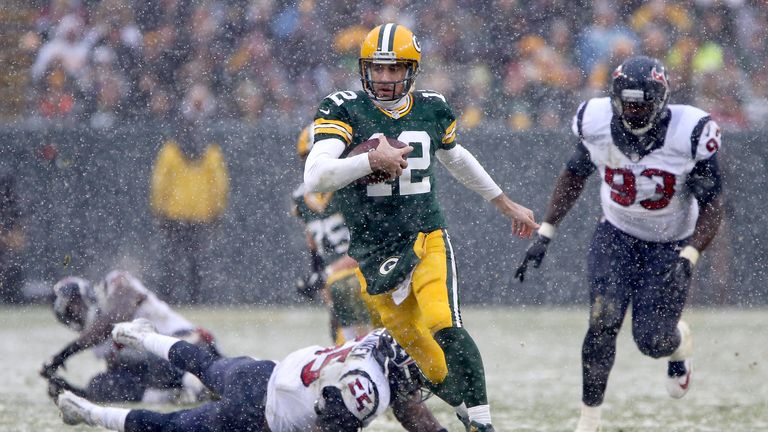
x: 661, y: 200
x: 336, y: 389
x: 92, y: 310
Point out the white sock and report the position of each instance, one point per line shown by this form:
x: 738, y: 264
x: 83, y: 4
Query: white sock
x: 685, y: 349
x: 158, y: 344
x: 480, y: 414
x: 109, y: 417
x: 589, y: 419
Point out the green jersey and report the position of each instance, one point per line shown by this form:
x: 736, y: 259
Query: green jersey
x: 324, y: 222
x: 385, y: 217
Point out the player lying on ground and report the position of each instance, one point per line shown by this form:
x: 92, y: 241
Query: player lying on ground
x: 92, y: 310
x: 313, y: 389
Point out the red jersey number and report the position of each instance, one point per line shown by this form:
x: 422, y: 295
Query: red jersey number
x: 623, y: 185
x: 311, y: 371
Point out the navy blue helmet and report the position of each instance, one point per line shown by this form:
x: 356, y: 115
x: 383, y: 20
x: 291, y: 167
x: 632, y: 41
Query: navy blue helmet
x: 640, y: 93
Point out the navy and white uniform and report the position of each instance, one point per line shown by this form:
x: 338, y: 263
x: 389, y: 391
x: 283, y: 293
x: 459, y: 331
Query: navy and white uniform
x: 130, y: 373
x: 299, y: 379
x: 651, y: 187
x: 645, y: 195
x: 163, y: 317
x: 259, y: 395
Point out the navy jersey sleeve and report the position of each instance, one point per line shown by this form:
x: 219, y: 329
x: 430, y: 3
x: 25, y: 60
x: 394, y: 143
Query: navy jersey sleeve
x: 580, y: 164
x: 704, y: 181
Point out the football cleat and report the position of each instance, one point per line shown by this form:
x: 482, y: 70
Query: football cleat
x: 132, y: 333
x: 678, y: 385
x: 680, y: 366
x: 74, y: 409
x: 477, y: 427
x: 589, y: 420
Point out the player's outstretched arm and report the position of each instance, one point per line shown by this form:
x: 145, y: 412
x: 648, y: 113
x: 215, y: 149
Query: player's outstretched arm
x: 123, y: 303
x: 523, y: 222
x: 467, y: 170
x: 567, y: 190
x: 49, y: 368
x: 710, y: 216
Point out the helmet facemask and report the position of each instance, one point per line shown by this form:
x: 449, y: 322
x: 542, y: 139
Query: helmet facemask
x: 405, y: 377
x: 387, y: 94
x: 640, y: 94
x: 405, y: 380
x: 637, y: 114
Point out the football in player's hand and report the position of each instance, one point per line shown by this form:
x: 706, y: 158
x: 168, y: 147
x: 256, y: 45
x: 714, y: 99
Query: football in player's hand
x: 370, y: 145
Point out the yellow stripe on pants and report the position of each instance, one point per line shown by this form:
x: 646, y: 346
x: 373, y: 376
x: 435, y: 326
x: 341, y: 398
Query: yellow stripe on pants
x: 425, y: 310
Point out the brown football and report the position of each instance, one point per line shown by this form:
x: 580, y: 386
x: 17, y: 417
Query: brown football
x: 365, y: 147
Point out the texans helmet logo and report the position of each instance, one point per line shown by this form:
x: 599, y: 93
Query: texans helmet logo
x: 616, y: 72
x: 659, y: 76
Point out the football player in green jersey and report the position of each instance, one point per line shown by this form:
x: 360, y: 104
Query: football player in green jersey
x: 333, y: 271
x: 398, y: 231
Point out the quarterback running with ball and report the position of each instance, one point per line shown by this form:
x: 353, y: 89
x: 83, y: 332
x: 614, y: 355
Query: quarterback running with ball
x: 398, y: 231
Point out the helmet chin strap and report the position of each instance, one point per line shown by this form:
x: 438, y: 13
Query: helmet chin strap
x: 637, y: 131
x: 643, y: 130
x: 392, y: 105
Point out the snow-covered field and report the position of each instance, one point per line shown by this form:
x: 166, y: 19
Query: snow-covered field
x: 532, y: 358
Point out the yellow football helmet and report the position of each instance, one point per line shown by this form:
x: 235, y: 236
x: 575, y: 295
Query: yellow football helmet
x: 306, y: 139
x: 390, y: 44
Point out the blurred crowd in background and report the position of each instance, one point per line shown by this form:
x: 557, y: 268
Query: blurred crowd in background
x: 526, y: 63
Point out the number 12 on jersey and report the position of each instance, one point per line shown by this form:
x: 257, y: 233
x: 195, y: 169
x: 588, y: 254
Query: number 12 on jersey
x: 412, y: 181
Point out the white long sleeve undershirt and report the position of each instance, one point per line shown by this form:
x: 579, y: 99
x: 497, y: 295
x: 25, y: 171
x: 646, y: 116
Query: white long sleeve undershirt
x: 325, y: 172
x: 467, y: 170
